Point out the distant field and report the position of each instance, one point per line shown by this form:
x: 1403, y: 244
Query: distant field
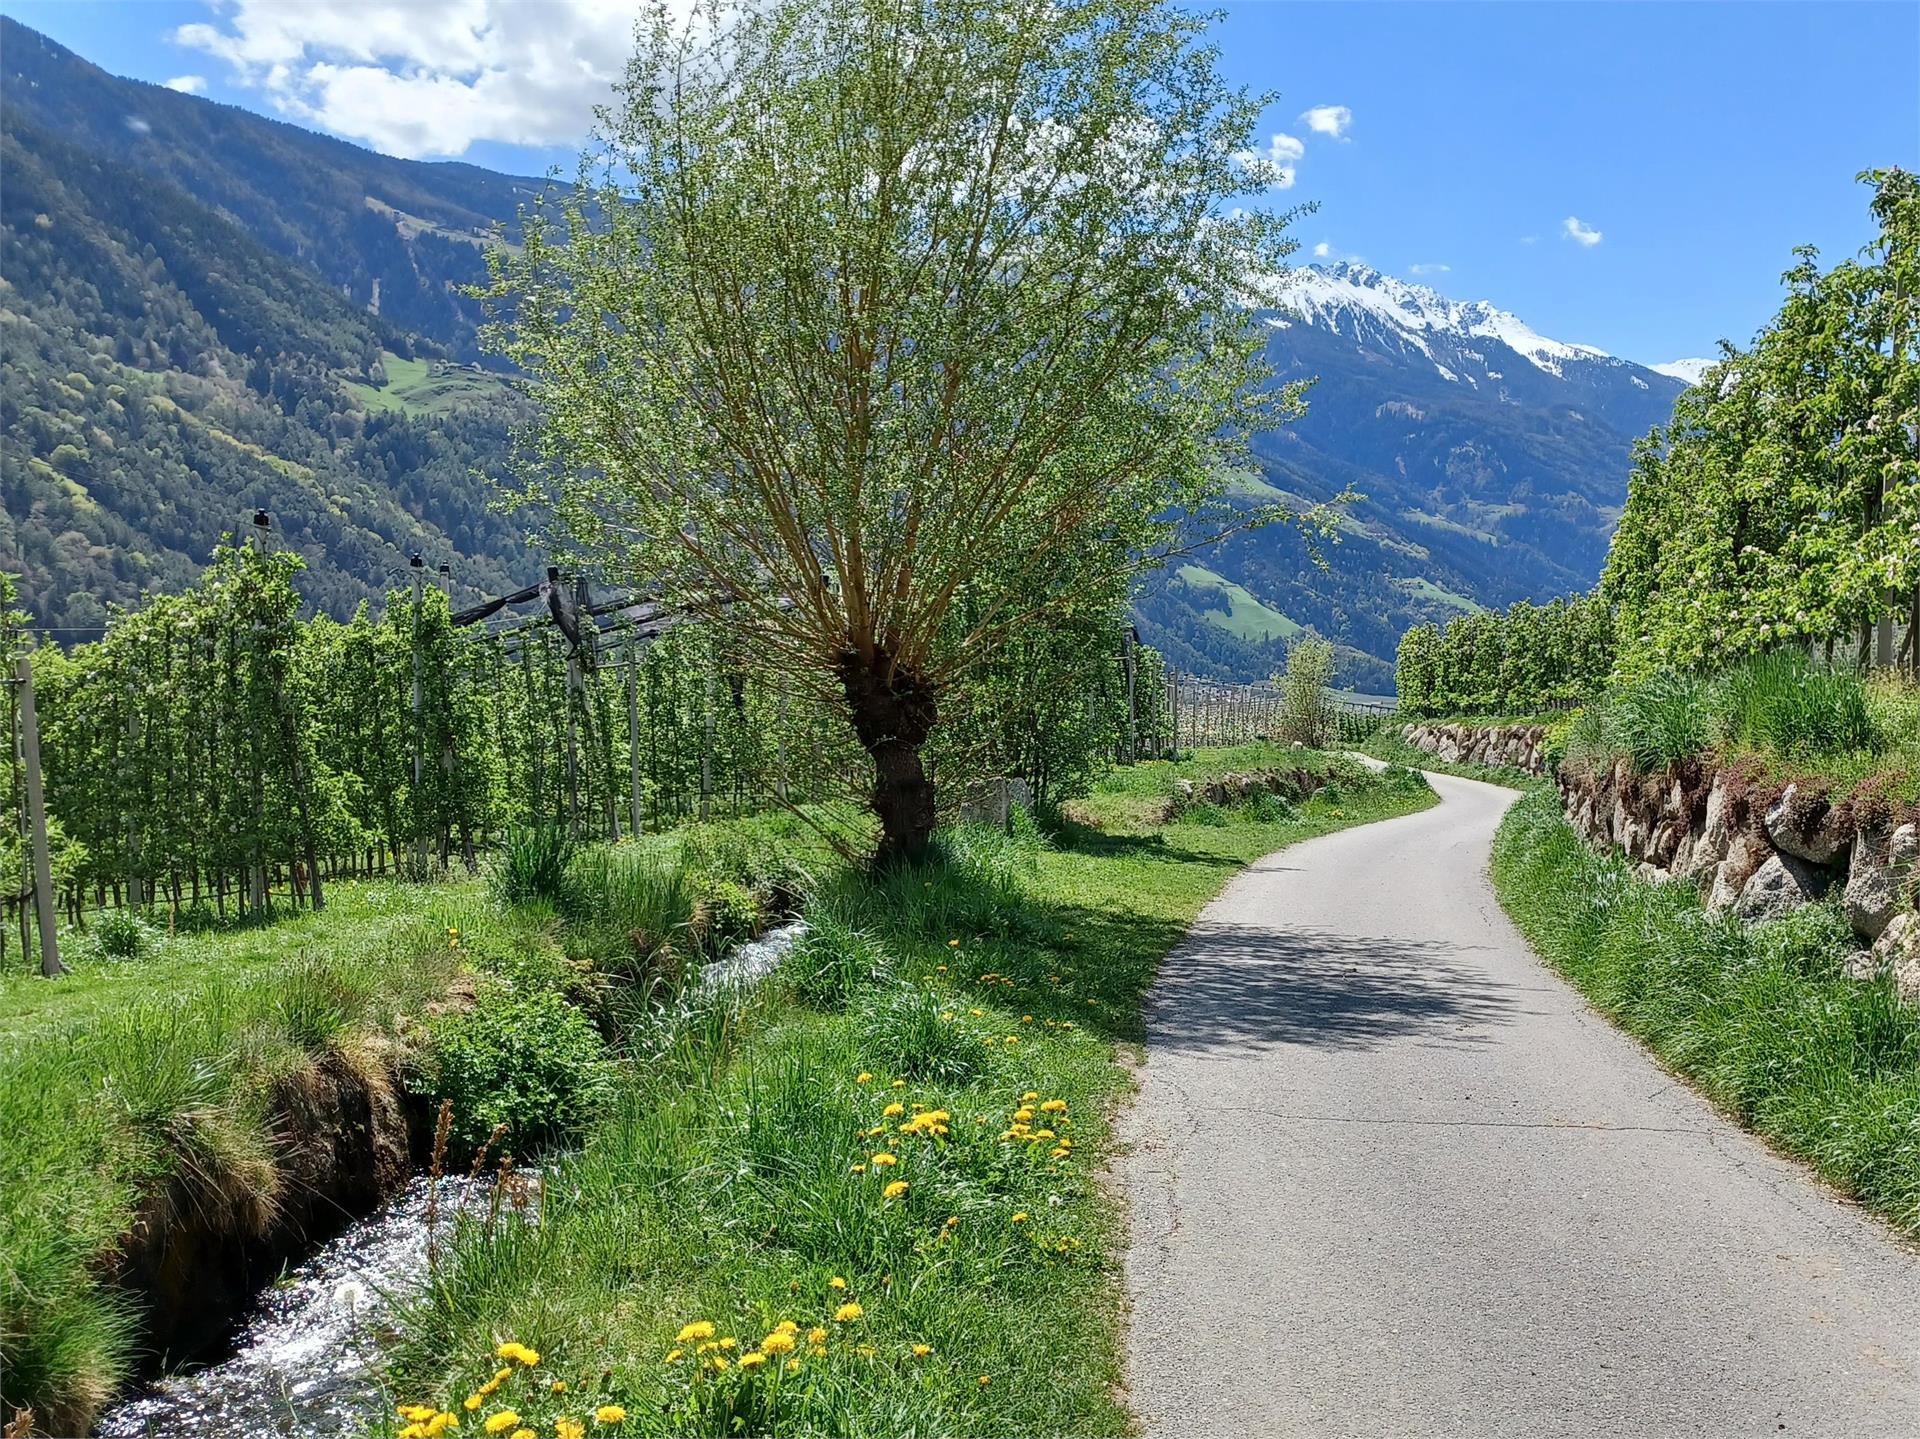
x: 1248, y: 618
x: 1422, y: 588
x: 428, y: 387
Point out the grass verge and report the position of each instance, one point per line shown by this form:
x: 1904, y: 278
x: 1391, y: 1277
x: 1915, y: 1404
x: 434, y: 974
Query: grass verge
x: 1759, y: 1019
x: 866, y: 1200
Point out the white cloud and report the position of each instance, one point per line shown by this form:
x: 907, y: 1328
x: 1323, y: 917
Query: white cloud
x: 1278, y: 165
x: 1434, y: 268
x: 188, y: 84
x: 1322, y: 251
x: 427, y: 77
x: 1583, y: 235
x: 1332, y: 121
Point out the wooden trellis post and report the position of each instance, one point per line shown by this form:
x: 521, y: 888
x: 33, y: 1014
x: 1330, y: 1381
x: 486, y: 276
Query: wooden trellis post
x: 50, y: 964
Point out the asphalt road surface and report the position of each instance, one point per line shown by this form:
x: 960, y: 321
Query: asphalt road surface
x: 1390, y: 1176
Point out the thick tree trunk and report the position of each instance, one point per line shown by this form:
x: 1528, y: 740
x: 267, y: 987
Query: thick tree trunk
x: 893, y: 711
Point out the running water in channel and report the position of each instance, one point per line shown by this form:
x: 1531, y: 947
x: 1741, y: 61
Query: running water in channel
x: 307, y: 1363
x: 307, y: 1360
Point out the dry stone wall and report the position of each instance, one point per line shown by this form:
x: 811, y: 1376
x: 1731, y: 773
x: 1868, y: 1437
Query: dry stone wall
x: 1517, y: 746
x: 1761, y: 849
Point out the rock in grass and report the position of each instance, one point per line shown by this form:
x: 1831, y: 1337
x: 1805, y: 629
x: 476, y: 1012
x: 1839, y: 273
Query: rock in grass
x: 1862, y: 964
x: 1897, y: 953
x: 1880, y: 877
x: 1780, y: 886
x: 1803, y: 824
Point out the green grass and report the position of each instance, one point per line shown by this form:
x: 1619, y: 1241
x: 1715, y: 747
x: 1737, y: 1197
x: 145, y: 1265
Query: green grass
x: 126, y: 1077
x: 1246, y: 617
x: 735, y: 1179
x: 1420, y: 587
x: 427, y: 387
x: 1759, y: 1019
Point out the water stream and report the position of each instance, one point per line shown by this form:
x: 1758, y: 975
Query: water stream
x: 307, y: 1361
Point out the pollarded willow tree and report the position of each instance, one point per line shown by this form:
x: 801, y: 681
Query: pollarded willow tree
x: 896, y: 324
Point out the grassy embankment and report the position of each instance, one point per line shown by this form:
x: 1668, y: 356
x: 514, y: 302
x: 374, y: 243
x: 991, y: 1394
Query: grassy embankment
x: 868, y: 1199
x: 155, y: 1074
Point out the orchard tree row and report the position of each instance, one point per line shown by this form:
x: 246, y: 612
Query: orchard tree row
x: 1529, y: 658
x: 214, y: 747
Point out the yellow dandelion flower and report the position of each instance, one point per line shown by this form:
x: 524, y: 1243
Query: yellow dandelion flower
x: 817, y: 1335
x: 519, y: 1352
x: 940, y: 969
x: 921, y: 1351
x: 719, y: 1363
x: 1058, y: 1152
x: 501, y: 1422
x: 441, y: 1423
x: 1054, y: 1106
x: 565, y: 1428
x: 976, y: 1013
x: 471, y: 1402
x: 727, y: 1341
x: 699, y: 1329
x: 863, y: 1077
x: 1030, y: 1096
x: 953, y: 944
x: 894, y: 1109
x: 522, y: 1433
x: 779, y: 1342
x: 793, y: 1365
x: 609, y: 1414
x: 836, y: 1283
x: 898, y: 1084
x: 415, y: 1430
x: 859, y: 1169
x: 559, y: 1386
x: 985, y: 1380
x: 885, y: 1161
x: 1023, y: 1115
x: 673, y: 1357
x: 1021, y: 1217
x: 848, y: 1312
x: 895, y: 1189
x: 786, y: 1326
x: 753, y: 1360
x: 417, y: 1413
x: 1011, y: 1039
x: 865, y: 1351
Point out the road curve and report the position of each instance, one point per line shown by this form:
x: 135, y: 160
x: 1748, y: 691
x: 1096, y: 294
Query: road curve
x: 1390, y: 1176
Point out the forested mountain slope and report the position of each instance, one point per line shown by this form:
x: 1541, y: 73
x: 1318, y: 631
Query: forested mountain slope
x: 1491, y: 461
x: 205, y: 312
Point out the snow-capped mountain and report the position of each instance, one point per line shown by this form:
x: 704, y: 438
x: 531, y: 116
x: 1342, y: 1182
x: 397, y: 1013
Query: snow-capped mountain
x: 1689, y: 371
x: 1470, y: 342
x: 1491, y: 460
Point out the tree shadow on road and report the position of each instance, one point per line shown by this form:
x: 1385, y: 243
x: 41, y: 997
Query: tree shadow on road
x: 1243, y: 987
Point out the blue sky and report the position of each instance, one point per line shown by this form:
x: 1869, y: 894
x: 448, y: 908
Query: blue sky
x: 1694, y: 144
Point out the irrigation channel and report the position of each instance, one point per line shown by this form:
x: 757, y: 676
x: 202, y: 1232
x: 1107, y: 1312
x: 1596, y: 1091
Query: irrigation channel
x: 308, y: 1360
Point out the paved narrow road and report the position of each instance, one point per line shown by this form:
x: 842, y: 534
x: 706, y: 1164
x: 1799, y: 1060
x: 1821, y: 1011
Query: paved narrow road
x: 1390, y: 1176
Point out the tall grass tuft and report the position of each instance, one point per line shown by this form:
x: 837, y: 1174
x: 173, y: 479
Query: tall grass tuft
x: 1785, y: 703
x: 1664, y: 719
x: 534, y: 864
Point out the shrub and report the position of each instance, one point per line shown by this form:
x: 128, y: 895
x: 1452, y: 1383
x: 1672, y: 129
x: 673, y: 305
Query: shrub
x: 533, y: 867
x: 1306, y: 709
x: 725, y: 913
x: 529, y: 1061
x: 1269, y: 808
x: 121, y: 934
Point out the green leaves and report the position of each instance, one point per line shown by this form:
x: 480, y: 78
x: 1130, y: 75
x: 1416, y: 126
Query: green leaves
x: 1781, y: 505
x: 1512, y: 663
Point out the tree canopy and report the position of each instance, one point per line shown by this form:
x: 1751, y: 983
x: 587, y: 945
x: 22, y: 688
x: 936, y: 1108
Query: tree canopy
x: 898, y: 323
